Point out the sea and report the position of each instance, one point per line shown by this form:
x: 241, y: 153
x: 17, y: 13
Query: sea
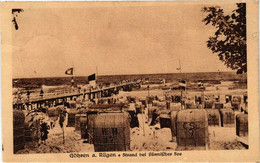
x: 209, y: 77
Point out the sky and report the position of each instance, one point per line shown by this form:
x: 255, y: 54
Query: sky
x: 113, y: 40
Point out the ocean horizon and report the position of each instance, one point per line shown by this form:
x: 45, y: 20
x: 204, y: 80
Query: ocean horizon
x: 153, y: 78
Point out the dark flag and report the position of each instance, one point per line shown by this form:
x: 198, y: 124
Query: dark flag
x: 92, y: 77
x: 182, y: 85
x: 201, y: 85
x: 69, y: 71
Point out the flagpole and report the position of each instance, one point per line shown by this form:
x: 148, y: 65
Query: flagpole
x: 220, y: 83
x: 63, y: 134
x: 73, y: 68
x: 180, y: 76
x: 147, y: 106
x: 71, y: 74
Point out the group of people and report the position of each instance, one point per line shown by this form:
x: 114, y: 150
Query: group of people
x: 28, y: 93
x: 44, y: 127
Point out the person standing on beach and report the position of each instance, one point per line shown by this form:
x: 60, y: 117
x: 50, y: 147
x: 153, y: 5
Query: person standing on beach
x: 154, y: 117
x: 51, y: 124
x: 44, y: 131
x: 227, y: 99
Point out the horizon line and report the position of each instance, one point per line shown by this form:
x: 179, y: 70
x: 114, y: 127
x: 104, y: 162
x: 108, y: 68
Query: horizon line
x: 122, y: 74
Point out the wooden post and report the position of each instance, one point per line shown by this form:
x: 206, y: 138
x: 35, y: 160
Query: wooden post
x: 63, y: 134
x: 37, y: 131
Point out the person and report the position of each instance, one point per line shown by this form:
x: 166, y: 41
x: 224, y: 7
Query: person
x: 218, y: 99
x: 133, y: 119
x: 51, y: 124
x: 96, y: 100
x: 62, y: 118
x: 28, y: 94
x: 114, y: 98
x: 72, y: 82
x: 227, y: 99
x: 44, y: 131
x: 41, y: 93
x: 199, y: 100
x: 154, y: 117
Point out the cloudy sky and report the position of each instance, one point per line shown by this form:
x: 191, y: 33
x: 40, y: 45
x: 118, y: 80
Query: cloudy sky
x: 129, y: 39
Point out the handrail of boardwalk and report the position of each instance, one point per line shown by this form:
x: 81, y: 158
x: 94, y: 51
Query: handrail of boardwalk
x: 68, y: 93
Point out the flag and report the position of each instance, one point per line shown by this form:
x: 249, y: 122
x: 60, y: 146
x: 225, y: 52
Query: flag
x: 146, y: 79
x: 200, y: 84
x: 92, y: 77
x: 163, y: 81
x: 182, y: 85
x: 69, y: 71
x: 92, y: 80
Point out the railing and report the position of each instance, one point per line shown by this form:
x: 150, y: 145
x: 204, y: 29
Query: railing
x: 68, y: 93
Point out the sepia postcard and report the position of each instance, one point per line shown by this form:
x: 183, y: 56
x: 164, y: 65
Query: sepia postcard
x: 159, y: 81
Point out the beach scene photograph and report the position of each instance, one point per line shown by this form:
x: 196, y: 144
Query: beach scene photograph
x: 130, y: 77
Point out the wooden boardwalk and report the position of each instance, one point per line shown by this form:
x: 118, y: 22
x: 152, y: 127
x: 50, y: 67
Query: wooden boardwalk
x: 96, y: 93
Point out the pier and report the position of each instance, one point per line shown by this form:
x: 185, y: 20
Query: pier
x: 70, y: 94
